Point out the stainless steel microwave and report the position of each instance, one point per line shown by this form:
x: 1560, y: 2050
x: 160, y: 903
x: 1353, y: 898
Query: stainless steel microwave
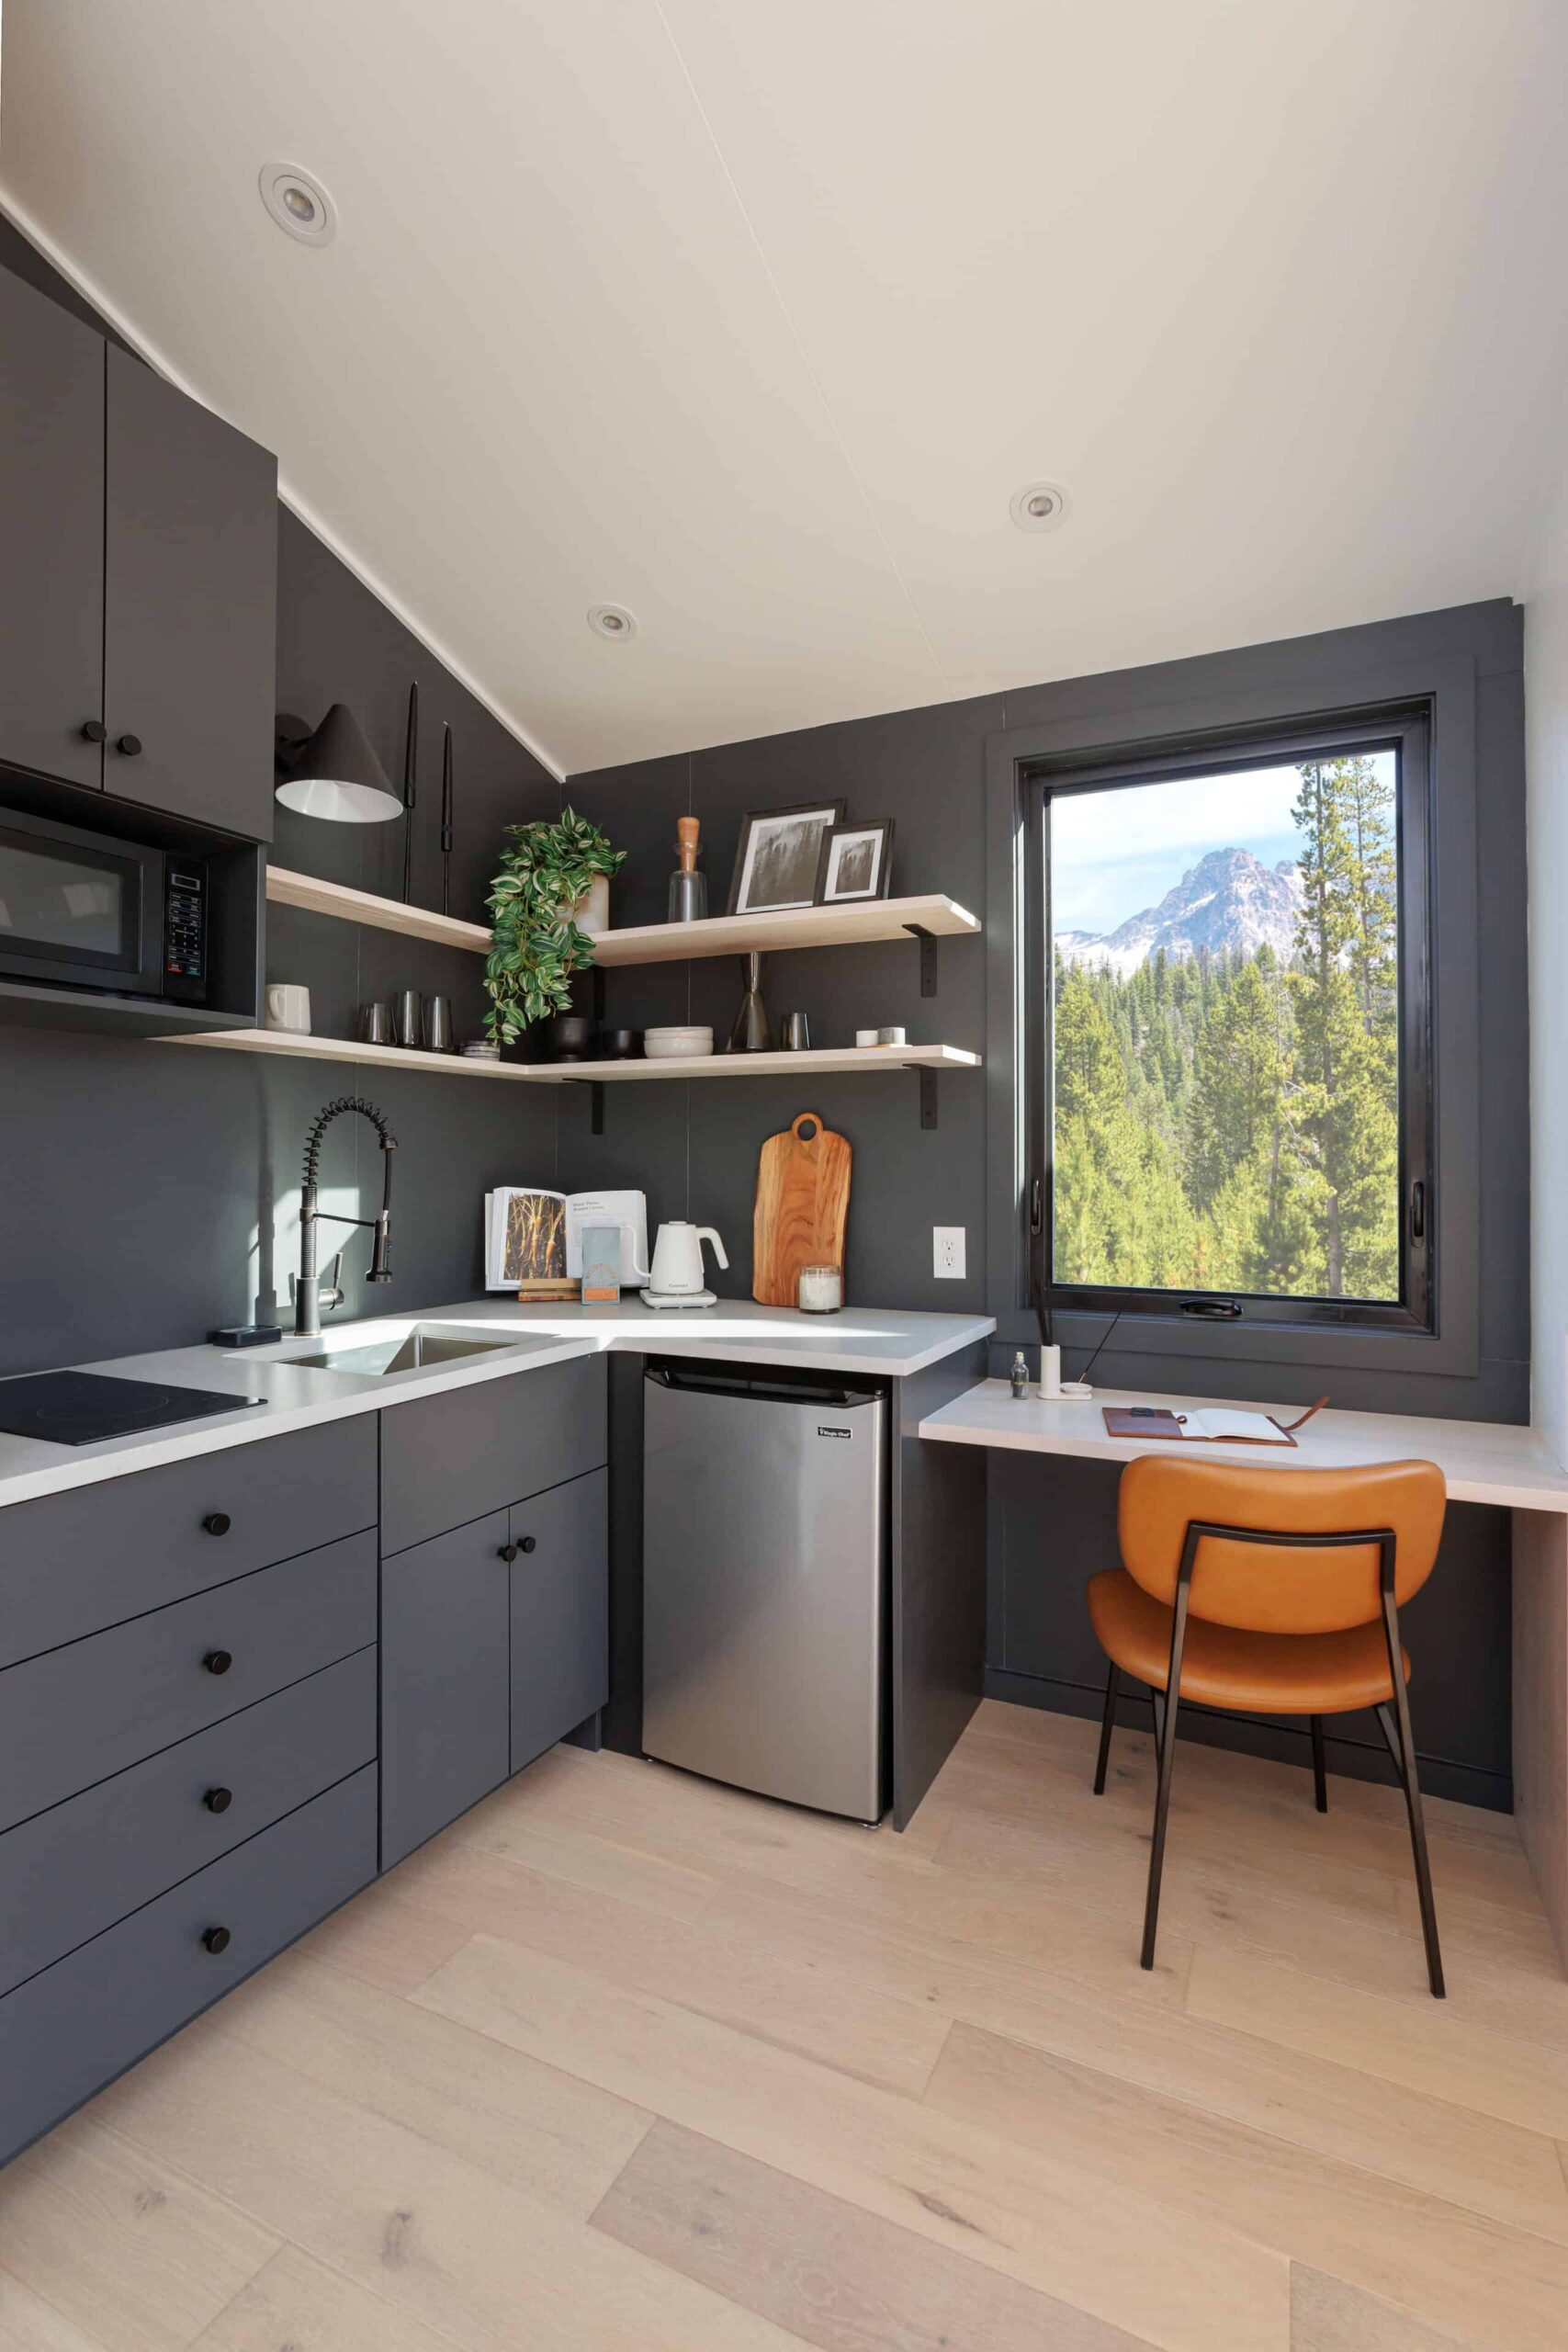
x: 83, y: 910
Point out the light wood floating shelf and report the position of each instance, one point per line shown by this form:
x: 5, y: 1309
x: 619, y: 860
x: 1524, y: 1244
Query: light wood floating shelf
x: 826, y: 1062
x: 933, y: 915
x: 289, y: 889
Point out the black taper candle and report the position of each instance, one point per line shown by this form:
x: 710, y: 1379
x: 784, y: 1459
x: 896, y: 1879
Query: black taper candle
x: 410, y: 763
x: 446, y: 818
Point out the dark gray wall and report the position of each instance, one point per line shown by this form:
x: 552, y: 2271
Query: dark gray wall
x: 140, y: 1182
x: 694, y: 1147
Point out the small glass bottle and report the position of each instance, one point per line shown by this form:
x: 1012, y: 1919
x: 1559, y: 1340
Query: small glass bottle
x: 688, y: 888
x: 1019, y: 1377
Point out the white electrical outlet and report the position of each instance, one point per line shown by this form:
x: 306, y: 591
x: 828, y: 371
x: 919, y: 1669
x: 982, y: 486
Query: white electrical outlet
x: 947, y: 1252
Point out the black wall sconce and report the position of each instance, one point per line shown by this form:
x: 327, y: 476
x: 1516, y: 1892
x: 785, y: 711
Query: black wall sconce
x: 331, y: 771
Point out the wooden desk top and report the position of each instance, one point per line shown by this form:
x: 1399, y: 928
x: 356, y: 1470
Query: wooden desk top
x: 1483, y: 1462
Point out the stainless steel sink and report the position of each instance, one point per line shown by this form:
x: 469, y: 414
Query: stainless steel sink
x: 408, y: 1350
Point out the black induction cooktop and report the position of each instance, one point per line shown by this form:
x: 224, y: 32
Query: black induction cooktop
x: 83, y: 1407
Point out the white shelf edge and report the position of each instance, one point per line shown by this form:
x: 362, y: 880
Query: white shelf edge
x: 822, y: 1062
x: 866, y: 924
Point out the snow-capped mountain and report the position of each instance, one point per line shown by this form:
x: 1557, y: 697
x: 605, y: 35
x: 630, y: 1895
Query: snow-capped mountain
x: 1230, y: 899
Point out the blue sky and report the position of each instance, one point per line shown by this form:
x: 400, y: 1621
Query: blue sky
x: 1116, y: 852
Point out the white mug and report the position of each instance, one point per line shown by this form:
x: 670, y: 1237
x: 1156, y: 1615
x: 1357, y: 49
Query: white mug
x: 288, y: 1006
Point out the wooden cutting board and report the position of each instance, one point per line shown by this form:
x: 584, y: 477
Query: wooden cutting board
x: 803, y: 1200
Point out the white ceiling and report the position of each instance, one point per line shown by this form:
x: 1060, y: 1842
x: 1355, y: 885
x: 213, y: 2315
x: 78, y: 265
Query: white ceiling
x: 753, y: 317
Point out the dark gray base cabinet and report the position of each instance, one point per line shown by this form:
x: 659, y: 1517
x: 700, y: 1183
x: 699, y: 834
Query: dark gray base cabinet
x: 444, y: 1687
x: 487, y: 1661
x: 559, y: 1614
x: 67, y: 2032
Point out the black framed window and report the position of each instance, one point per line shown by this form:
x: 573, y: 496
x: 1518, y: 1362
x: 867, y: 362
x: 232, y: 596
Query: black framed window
x: 1228, y: 1072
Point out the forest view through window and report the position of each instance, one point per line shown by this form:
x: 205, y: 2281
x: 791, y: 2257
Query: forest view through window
x: 1223, y: 965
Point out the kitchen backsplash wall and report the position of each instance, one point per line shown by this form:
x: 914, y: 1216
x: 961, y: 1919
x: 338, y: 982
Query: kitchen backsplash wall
x: 694, y: 1146
x: 150, y: 1191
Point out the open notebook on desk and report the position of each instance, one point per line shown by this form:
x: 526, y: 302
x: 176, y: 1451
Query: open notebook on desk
x: 1215, y: 1425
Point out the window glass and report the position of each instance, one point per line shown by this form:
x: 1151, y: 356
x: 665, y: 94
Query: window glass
x: 1223, y: 967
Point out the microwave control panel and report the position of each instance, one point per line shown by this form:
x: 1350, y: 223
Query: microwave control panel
x: 184, y: 929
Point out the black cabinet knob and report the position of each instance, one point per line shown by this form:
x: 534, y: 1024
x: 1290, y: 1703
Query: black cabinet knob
x: 217, y: 1523
x: 215, y: 1939
x: 507, y: 1552
x: 93, y: 731
x: 219, y: 1800
x: 128, y: 744
x: 218, y: 1661
x: 530, y: 1544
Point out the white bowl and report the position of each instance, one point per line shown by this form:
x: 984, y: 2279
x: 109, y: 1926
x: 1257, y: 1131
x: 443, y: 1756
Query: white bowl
x: 686, y: 1046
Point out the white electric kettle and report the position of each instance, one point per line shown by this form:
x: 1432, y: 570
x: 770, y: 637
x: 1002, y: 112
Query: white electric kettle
x: 676, y: 1276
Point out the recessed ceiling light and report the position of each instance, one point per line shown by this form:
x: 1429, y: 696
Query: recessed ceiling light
x: 612, y: 621
x: 1039, y: 506
x: 298, y: 203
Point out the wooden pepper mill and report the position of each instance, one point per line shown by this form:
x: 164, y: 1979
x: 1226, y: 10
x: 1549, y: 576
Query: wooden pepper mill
x: 688, y: 888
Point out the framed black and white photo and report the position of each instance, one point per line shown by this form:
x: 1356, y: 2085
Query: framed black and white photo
x: 780, y: 857
x: 857, y: 863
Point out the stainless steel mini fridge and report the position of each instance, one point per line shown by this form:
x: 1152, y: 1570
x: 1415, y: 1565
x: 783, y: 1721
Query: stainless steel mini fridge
x: 764, y: 1575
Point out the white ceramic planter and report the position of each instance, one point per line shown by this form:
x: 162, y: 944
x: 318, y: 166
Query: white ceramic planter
x: 591, y: 913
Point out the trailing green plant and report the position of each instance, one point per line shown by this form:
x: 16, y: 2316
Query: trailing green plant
x: 537, y: 946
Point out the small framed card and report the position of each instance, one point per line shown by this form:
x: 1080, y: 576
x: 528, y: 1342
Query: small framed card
x: 857, y: 863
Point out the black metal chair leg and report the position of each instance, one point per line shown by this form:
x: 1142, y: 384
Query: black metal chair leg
x: 1167, y: 1715
x: 1412, y: 1787
x: 1107, y: 1724
x: 1319, y: 1770
x: 1156, y: 1708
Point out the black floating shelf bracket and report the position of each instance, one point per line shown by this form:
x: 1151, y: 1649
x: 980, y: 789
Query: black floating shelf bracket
x: 928, y: 959
x: 928, y: 1093
x: 597, y: 1108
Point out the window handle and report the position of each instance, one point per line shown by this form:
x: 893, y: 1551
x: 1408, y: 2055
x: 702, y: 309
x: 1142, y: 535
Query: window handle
x: 1213, y: 1310
x: 1037, y: 1207
x: 1418, y: 1212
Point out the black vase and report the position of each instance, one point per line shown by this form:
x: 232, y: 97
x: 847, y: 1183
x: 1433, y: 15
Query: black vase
x: 567, y: 1037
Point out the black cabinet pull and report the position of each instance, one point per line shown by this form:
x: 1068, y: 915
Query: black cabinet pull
x: 529, y: 1543
x: 215, y: 1939
x: 217, y: 1523
x: 218, y: 1661
x: 219, y: 1800
x: 507, y: 1552
x: 128, y: 744
x: 93, y: 731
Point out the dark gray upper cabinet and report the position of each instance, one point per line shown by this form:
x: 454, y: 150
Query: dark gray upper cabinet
x: 51, y: 535
x: 446, y: 1740
x: 190, y: 607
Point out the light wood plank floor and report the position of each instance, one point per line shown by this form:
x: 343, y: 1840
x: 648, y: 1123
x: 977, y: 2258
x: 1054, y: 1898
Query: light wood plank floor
x: 625, y: 2063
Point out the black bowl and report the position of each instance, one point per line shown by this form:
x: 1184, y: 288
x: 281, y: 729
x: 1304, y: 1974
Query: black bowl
x: 567, y: 1037
x: 620, y: 1044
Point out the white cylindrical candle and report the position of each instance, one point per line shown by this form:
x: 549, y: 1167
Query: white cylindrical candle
x: 1050, y: 1371
x: 821, y: 1290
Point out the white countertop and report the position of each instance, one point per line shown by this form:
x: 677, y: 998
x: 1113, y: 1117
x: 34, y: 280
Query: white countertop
x: 1483, y: 1462
x: 289, y: 1396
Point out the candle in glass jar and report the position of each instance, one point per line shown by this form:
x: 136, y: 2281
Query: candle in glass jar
x: 821, y: 1290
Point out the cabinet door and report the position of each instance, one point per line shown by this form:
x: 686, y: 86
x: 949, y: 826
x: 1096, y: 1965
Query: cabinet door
x: 52, y: 532
x: 444, y: 1684
x: 561, y: 1612
x: 190, y: 615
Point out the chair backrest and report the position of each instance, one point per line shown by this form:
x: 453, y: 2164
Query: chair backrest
x: 1278, y: 1588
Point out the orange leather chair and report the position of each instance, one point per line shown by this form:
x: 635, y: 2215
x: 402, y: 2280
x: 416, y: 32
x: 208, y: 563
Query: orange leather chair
x: 1271, y: 1592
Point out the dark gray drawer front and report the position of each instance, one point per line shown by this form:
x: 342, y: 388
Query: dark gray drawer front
x: 65, y: 2033
x: 446, y: 1460
x: 74, y: 1717
x: 560, y: 1613
x: 71, y: 1564
x: 73, y: 1871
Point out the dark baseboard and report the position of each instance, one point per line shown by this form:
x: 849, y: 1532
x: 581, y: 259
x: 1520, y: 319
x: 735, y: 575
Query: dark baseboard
x: 1283, y: 1743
